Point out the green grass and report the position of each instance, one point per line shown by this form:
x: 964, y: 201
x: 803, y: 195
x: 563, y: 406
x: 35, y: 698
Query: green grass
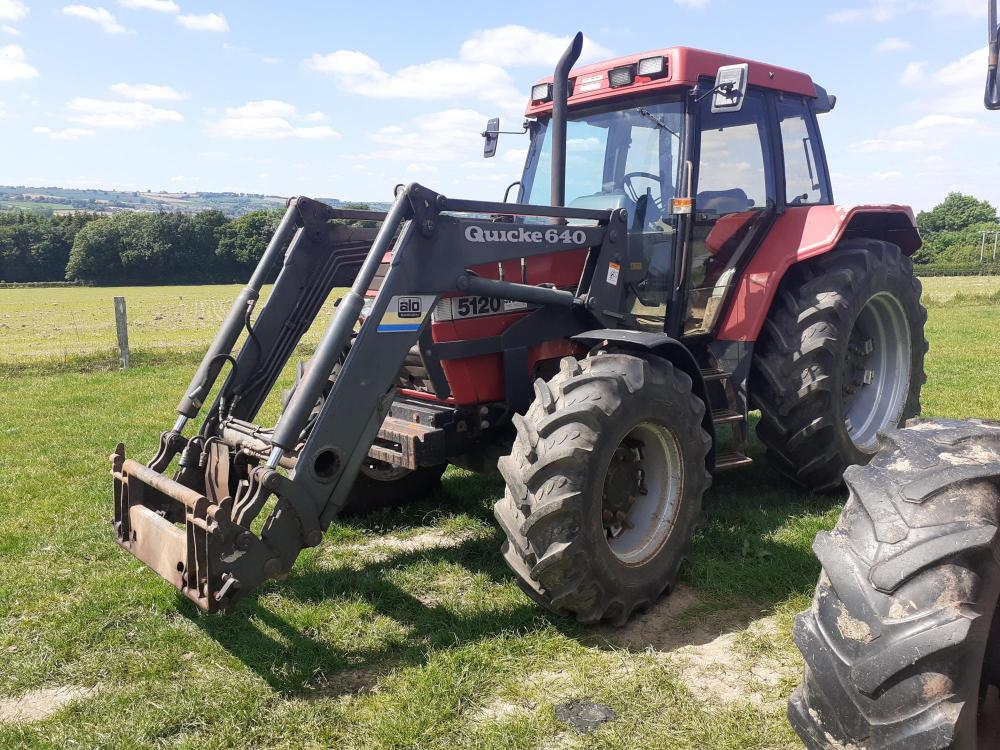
x: 369, y: 644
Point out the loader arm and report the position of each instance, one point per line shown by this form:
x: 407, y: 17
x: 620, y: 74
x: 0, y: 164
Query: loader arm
x: 194, y: 527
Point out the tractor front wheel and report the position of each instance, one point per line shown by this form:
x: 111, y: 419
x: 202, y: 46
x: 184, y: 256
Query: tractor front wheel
x: 841, y: 357
x: 604, y: 485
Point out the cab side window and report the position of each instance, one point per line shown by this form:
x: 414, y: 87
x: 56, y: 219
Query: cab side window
x: 734, y: 199
x: 805, y: 179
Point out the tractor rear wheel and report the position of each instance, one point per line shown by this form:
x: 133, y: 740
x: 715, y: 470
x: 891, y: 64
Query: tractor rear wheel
x: 901, y: 646
x: 604, y: 485
x: 840, y: 358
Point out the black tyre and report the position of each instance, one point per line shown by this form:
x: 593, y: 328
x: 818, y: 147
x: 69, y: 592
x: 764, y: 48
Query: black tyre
x: 380, y: 485
x: 897, y: 644
x: 604, y: 485
x: 840, y: 358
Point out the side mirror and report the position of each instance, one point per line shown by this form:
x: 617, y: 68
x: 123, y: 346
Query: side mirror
x: 492, y: 136
x: 992, y: 98
x: 730, y: 88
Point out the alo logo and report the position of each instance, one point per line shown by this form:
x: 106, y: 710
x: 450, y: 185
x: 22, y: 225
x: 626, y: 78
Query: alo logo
x: 410, y: 307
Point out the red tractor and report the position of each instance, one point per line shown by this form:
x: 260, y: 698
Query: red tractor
x: 674, y: 258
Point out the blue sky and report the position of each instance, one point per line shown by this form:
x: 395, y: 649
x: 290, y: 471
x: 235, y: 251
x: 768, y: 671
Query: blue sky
x: 348, y: 99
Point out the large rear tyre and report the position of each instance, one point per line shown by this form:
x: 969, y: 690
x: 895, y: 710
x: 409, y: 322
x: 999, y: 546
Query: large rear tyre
x: 604, y: 485
x: 901, y: 643
x: 840, y: 358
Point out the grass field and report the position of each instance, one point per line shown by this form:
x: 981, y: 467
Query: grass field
x: 67, y: 323
x: 403, y: 630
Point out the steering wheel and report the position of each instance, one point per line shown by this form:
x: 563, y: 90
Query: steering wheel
x: 634, y: 195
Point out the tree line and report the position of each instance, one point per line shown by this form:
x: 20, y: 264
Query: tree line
x: 135, y: 248
x: 177, y: 248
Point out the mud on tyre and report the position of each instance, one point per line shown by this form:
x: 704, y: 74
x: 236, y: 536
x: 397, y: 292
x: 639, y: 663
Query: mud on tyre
x: 901, y: 642
x: 604, y: 485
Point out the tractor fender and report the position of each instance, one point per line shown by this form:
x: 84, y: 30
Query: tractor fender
x: 669, y: 349
x: 801, y: 233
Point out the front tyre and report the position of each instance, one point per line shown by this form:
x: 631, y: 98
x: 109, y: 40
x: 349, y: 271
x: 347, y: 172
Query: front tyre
x: 604, y: 485
x: 841, y: 357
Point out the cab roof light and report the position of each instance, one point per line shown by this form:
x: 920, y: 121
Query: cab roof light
x: 623, y: 76
x: 541, y: 93
x: 653, y: 67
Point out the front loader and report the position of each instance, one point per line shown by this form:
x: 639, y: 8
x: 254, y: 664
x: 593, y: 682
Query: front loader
x: 605, y: 337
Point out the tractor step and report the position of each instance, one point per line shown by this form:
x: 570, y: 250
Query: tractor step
x: 731, y: 460
x: 727, y: 416
x: 714, y: 374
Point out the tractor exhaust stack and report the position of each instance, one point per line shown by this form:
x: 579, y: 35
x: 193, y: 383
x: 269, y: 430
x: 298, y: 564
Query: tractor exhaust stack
x: 560, y: 93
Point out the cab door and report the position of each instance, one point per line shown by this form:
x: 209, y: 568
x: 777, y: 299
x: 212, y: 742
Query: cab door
x: 735, y: 201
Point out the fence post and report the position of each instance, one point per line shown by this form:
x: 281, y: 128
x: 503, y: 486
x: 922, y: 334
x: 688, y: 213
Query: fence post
x: 121, y: 322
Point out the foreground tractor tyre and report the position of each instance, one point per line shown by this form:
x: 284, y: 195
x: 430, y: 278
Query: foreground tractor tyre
x: 901, y: 646
x: 840, y: 357
x: 379, y: 485
x: 604, y: 485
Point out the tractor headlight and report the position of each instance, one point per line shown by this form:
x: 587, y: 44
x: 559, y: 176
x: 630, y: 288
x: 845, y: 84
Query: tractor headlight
x: 653, y: 67
x: 622, y: 76
x: 541, y: 93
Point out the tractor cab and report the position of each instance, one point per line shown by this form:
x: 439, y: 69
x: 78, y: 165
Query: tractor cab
x: 703, y: 151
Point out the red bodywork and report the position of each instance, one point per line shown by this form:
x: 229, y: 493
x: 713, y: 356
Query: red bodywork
x: 684, y: 67
x: 801, y: 233
x: 478, y: 380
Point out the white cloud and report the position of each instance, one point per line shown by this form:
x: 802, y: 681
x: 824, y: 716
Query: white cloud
x: 892, y: 44
x: 13, y: 10
x: 206, y: 22
x: 913, y: 74
x: 956, y: 87
x: 439, y: 136
x: 315, y: 117
x: 268, y: 119
x: 14, y: 65
x: 10, y: 30
x: 518, y: 45
x: 147, y: 92
x: 101, y: 16
x: 160, y: 6
x: 124, y: 115
x: 66, y: 134
x: 692, y: 3
x: 358, y: 73
x: 893, y: 146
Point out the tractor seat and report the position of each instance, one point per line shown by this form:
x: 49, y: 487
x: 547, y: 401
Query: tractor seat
x: 723, y: 201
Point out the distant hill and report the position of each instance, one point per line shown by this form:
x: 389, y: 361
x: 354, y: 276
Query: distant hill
x: 57, y: 200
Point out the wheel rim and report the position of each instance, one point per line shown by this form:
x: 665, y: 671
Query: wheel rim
x: 876, y: 377
x: 642, y: 493
x: 383, y: 472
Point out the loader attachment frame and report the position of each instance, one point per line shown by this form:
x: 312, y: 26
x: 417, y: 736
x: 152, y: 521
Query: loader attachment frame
x: 194, y: 528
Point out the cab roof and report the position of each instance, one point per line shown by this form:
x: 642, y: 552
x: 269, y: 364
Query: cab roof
x: 684, y: 66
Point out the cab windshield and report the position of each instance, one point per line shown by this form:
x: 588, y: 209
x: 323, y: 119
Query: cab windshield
x: 623, y: 155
